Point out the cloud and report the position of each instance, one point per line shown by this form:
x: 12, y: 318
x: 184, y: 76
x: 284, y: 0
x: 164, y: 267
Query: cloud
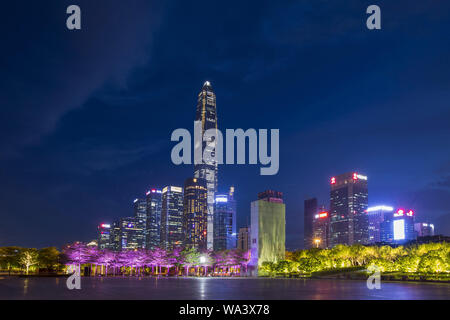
x: 48, y: 70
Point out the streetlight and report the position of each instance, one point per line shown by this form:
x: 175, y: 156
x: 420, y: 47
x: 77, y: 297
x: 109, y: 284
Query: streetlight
x: 203, y: 261
x: 317, y: 242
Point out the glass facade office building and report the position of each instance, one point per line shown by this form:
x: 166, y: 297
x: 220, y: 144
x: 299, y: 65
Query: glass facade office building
x: 195, y: 213
x: 154, y: 208
x: 172, y: 233
x: 132, y: 233
x: 310, y: 210
x: 225, y: 221
x: 206, y: 114
x: 104, y: 236
x: 348, y: 204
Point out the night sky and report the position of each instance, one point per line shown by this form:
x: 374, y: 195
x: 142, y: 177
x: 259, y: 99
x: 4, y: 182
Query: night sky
x: 86, y: 116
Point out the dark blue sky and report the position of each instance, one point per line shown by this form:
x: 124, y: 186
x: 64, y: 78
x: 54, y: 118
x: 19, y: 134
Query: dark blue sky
x: 86, y: 116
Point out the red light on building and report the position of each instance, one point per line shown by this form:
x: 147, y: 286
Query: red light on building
x: 333, y: 180
x: 355, y: 176
x: 410, y: 213
x: 323, y: 214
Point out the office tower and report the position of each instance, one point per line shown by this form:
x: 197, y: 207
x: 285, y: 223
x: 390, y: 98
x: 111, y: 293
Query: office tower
x: 154, y: 207
x: 140, y: 208
x: 207, y: 116
x: 244, y: 239
x: 398, y: 227
x: 348, y: 202
x: 195, y: 214
x: 225, y: 221
x: 115, y: 236
x: 132, y: 233
x: 376, y: 217
x: 104, y: 236
x: 424, y: 229
x: 310, y: 210
x: 321, y: 226
x: 267, y: 229
x: 172, y: 234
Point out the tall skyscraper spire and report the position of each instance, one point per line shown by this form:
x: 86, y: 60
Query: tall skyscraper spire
x: 207, y: 115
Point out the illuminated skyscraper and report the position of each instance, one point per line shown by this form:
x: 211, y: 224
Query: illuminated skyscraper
x: 268, y: 229
x: 140, y: 208
x: 225, y: 221
x: 154, y: 207
x: 104, y: 236
x: 376, y: 217
x: 115, y: 236
x: 424, y: 229
x: 195, y: 215
x: 206, y: 114
x: 132, y: 234
x: 398, y: 227
x: 172, y: 234
x: 243, y: 242
x: 310, y: 210
x: 321, y: 227
x: 348, y: 203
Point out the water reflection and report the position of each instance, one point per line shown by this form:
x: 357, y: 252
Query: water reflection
x: 25, y: 286
x: 208, y: 288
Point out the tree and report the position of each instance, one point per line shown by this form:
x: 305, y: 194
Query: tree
x: 268, y: 266
x: 48, y: 257
x: 432, y: 263
x: 191, y: 257
x: 28, y: 258
x: 77, y: 254
x: 9, y: 257
x: 408, y: 263
x: 159, y: 257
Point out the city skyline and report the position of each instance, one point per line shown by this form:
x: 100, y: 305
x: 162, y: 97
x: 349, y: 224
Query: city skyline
x: 88, y: 131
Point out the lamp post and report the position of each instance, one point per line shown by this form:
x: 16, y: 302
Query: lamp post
x: 203, y: 261
x: 317, y: 242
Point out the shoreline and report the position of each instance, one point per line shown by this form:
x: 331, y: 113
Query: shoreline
x: 383, y: 278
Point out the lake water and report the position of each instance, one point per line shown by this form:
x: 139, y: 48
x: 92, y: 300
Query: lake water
x: 214, y: 288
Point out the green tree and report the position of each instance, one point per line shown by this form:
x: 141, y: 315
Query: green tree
x: 28, y: 258
x: 383, y: 264
x: 49, y: 257
x: 408, y: 263
x: 268, y: 267
x: 432, y: 263
x: 9, y: 257
x: 191, y: 257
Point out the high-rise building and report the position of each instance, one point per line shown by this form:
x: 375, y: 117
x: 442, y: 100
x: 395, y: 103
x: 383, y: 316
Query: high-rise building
x: 132, y: 233
x: 398, y: 227
x: 172, y: 234
x: 376, y: 217
x: 115, y: 236
x: 321, y: 227
x: 225, y: 221
x: 195, y: 215
x: 206, y: 114
x: 424, y: 229
x: 243, y: 242
x: 268, y: 225
x: 140, y: 208
x: 104, y: 236
x: 154, y: 207
x: 310, y: 210
x: 348, y: 202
